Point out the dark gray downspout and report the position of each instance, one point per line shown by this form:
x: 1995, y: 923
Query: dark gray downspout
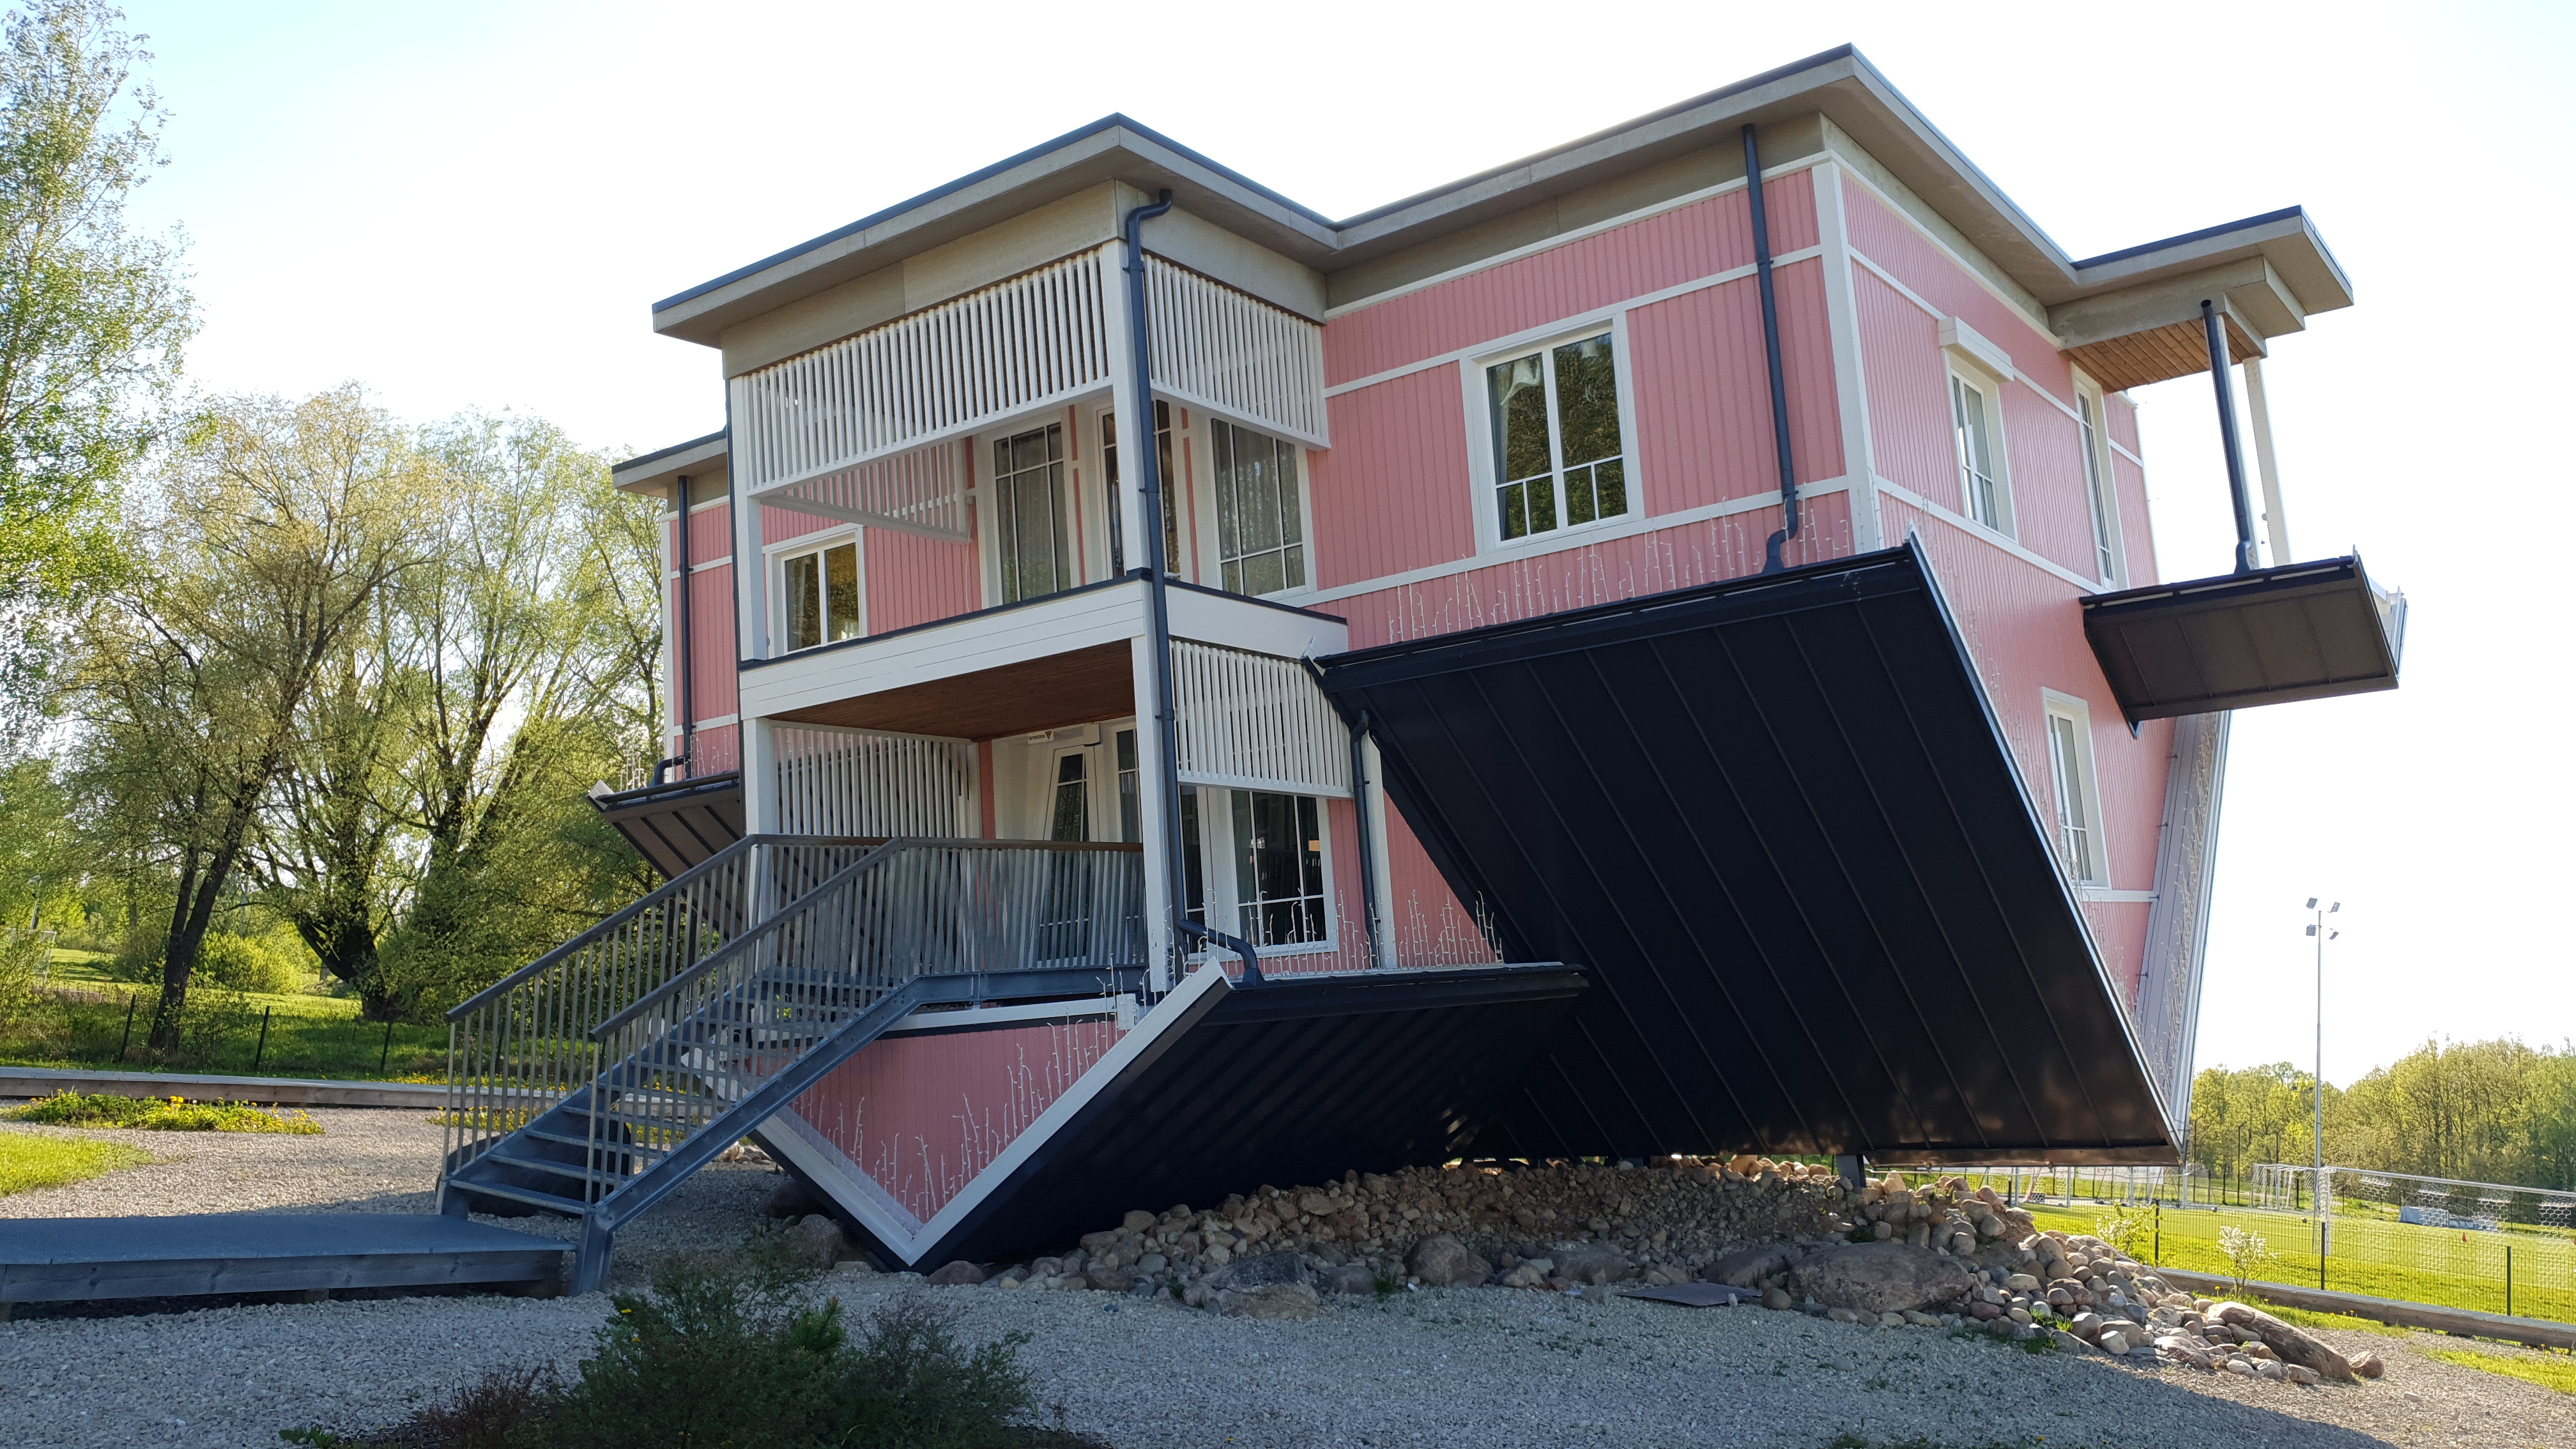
x: 1771, y: 561
x: 1149, y: 478
x: 2246, y: 559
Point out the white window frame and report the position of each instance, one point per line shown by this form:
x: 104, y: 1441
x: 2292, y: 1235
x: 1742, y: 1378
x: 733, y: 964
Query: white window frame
x: 1486, y: 468
x: 1990, y: 395
x: 773, y: 569
x: 986, y: 495
x: 1202, y: 428
x: 1216, y: 864
x: 2055, y: 707
x: 2101, y: 481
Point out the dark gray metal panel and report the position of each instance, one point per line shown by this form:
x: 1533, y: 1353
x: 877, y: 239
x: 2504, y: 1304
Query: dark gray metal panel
x: 52, y: 1259
x: 2272, y: 636
x: 1776, y: 820
x: 1296, y: 1080
x: 678, y: 825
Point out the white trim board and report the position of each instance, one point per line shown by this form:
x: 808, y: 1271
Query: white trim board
x: 1983, y: 534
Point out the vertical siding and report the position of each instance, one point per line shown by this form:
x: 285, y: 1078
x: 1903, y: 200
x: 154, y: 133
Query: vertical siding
x: 711, y: 534
x: 923, y: 1114
x: 2122, y: 415
x: 1909, y: 400
x: 914, y: 580
x: 713, y: 642
x: 1701, y: 384
x: 719, y: 750
x: 2026, y: 633
x: 1426, y: 920
x: 2044, y: 465
x: 777, y: 525
x: 1885, y: 238
x: 1392, y: 492
x: 1665, y: 250
x: 1618, y: 568
x: 2137, y: 529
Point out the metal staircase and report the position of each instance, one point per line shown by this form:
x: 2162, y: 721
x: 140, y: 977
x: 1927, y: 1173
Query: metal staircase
x: 593, y: 1082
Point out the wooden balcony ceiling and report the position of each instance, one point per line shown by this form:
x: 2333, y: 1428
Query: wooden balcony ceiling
x: 1037, y: 694
x: 2176, y: 350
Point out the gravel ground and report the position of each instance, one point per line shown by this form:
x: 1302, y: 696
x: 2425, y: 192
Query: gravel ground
x: 1490, y: 1368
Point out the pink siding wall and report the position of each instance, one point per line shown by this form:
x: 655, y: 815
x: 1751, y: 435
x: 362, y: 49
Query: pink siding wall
x: 914, y: 580
x: 777, y: 525
x: 2122, y: 415
x: 1391, y: 494
x: 713, y: 644
x: 715, y: 647
x: 719, y: 750
x: 1884, y: 238
x: 1909, y: 398
x: 923, y: 1114
x: 1678, y: 246
x: 711, y: 534
x: 1701, y: 382
x: 2137, y: 531
x: 2044, y: 466
x: 1618, y: 568
x: 1429, y: 924
x: 2025, y: 633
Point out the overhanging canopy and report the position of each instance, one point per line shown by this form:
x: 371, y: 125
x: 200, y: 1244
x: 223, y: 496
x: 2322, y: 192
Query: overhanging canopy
x: 679, y: 824
x: 1776, y: 820
x: 2268, y: 636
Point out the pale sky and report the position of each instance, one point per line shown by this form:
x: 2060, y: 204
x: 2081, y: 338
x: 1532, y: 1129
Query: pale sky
x: 473, y: 205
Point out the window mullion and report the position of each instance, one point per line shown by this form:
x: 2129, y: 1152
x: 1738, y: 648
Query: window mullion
x: 1555, y: 434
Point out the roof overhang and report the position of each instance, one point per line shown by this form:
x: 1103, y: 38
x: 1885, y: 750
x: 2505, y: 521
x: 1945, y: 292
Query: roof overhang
x: 2268, y: 636
x: 655, y: 474
x: 1776, y: 820
x: 679, y: 824
x: 1841, y: 84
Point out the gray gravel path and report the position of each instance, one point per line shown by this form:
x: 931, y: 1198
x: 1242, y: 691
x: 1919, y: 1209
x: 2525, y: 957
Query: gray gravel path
x: 1488, y: 1368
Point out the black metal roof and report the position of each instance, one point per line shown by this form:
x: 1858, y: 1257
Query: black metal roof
x: 2266, y: 636
x: 679, y: 824
x: 1776, y: 820
x: 1296, y: 1080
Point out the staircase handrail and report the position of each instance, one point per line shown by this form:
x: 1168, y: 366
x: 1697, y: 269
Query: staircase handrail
x: 668, y: 889
x: 822, y: 892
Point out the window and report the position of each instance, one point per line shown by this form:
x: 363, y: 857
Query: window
x: 1193, y: 862
x: 1070, y: 812
x: 2097, y: 485
x: 1557, y: 456
x: 1171, y: 491
x: 1972, y: 424
x: 1260, y: 513
x: 1029, y: 530
x: 819, y: 595
x: 1131, y: 818
x: 1279, y: 867
x: 2070, y: 767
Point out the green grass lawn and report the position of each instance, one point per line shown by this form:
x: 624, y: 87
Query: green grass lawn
x: 30, y: 1161
x: 161, y: 1114
x: 309, y: 1035
x: 2556, y: 1374
x: 2439, y: 1266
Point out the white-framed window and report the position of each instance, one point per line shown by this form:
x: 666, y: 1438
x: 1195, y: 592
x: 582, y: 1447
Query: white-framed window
x: 1173, y: 489
x: 819, y: 601
x: 2099, y: 494
x: 1559, y: 456
x: 2078, y: 799
x: 1255, y: 864
x: 1260, y: 510
x: 1976, y: 432
x: 1032, y: 539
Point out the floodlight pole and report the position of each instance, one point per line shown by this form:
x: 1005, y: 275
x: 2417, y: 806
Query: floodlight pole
x: 2317, y: 932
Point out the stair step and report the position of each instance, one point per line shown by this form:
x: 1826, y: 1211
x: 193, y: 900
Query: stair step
x: 569, y: 1207
x: 566, y: 1138
x: 559, y: 1169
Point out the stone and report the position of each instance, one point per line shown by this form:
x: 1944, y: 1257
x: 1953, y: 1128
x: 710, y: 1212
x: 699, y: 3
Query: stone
x: 1351, y: 1278
x: 1920, y: 1320
x: 2370, y: 1365
x: 818, y: 1240
x: 2243, y: 1366
x: 1878, y: 1277
x: 1891, y: 1320
x: 1270, y: 1300
x: 1775, y: 1298
x: 1262, y: 1270
x: 1109, y: 1277
x: 2299, y: 1373
x: 2114, y: 1343
x: 2293, y: 1344
x: 1441, y: 1261
x: 792, y: 1199
x: 1315, y: 1204
x: 1152, y: 1263
x: 1593, y: 1263
x: 1139, y: 1220
x: 1985, y: 1310
x: 960, y: 1274
x: 1747, y: 1267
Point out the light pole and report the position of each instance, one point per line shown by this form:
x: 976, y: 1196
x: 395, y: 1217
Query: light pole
x: 2317, y: 931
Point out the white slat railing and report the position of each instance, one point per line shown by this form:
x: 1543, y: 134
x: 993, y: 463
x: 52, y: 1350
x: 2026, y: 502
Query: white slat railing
x: 937, y: 373
x: 1222, y: 349
x: 858, y: 782
x: 1256, y: 722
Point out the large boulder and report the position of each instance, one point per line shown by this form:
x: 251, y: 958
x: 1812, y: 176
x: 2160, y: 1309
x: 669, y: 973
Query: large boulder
x: 1747, y: 1267
x: 1592, y: 1263
x: 960, y: 1274
x: 818, y: 1240
x: 1262, y: 1270
x: 1441, y: 1261
x: 2293, y: 1344
x: 792, y: 1199
x: 1883, y: 1277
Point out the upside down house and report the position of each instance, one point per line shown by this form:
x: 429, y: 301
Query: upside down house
x: 1654, y: 648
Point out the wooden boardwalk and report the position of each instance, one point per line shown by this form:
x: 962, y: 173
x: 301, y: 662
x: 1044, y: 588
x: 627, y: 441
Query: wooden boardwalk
x: 72, y: 1259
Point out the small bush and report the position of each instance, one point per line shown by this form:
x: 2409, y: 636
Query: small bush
x: 245, y: 963
x: 2245, y: 1252
x: 161, y: 1114
x: 2126, y: 1229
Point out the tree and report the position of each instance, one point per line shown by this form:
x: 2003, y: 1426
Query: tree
x: 273, y: 530
x: 92, y: 318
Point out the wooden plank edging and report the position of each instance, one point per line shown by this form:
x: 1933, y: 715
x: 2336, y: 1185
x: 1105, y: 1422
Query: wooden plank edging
x: 279, y: 1091
x: 2539, y: 1333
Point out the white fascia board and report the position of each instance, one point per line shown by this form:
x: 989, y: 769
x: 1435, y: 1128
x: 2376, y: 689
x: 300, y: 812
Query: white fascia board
x: 968, y: 645
x: 1233, y: 623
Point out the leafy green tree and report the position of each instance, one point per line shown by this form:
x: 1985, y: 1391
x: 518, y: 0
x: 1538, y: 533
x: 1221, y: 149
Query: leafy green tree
x: 92, y: 318
x: 273, y: 530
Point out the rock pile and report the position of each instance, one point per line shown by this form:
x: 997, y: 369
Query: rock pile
x: 1888, y: 1254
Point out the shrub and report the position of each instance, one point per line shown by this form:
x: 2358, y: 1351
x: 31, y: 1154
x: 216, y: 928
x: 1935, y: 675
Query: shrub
x: 161, y: 1114
x: 247, y: 963
x: 2126, y: 1229
x: 2245, y: 1251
